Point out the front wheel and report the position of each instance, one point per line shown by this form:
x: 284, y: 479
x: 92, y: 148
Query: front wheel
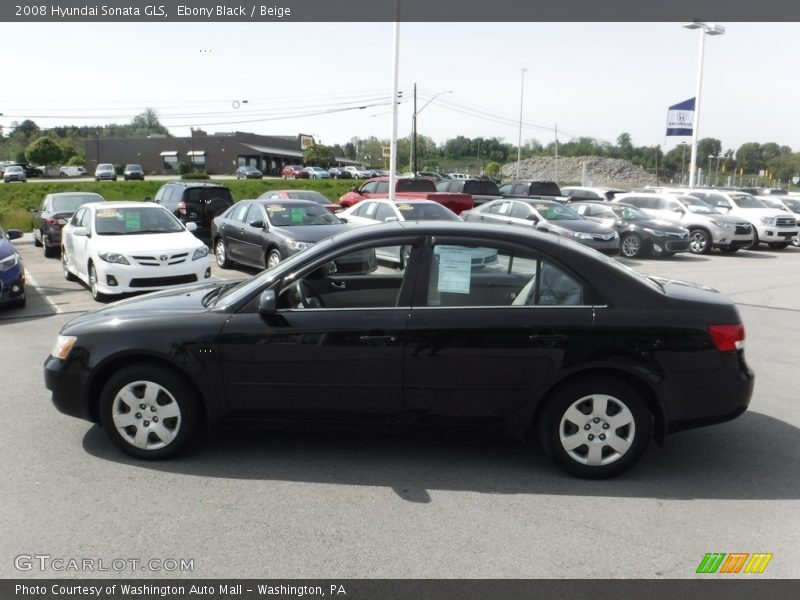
x: 149, y: 411
x: 756, y: 241
x: 273, y: 258
x: 96, y: 294
x: 221, y: 254
x: 699, y: 241
x: 630, y: 246
x: 596, y: 427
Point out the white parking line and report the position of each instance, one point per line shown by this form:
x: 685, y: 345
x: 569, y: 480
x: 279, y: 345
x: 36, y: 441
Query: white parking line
x: 32, y: 280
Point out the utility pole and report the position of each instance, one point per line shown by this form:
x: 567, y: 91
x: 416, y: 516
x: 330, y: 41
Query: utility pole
x: 414, y: 136
x: 519, y: 139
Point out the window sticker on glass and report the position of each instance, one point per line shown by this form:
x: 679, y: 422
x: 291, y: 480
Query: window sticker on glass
x: 108, y: 213
x: 404, y: 207
x: 132, y: 221
x: 455, y: 267
x: 298, y: 215
x: 275, y: 208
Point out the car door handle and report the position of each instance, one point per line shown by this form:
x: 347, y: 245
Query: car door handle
x: 338, y: 284
x: 378, y: 339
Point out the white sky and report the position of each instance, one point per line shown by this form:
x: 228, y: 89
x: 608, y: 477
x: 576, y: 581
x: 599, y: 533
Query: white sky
x: 592, y: 79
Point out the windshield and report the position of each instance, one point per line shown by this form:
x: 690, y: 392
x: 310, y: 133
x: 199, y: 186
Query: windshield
x: 747, y: 201
x: 292, y: 215
x: 415, y: 185
x: 313, y: 196
x: 556, y: 212
x: 630, y: 213
x: 71, y: 203
x: 135, y: 220
x: 697, y: 206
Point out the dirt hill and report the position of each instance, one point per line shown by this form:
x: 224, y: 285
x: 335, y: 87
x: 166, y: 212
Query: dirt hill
x: 583, y: 170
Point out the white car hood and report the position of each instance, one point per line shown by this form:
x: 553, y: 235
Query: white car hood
x: 146, y: 243
x: 761, y: 212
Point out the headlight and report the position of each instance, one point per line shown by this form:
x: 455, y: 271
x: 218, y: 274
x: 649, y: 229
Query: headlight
x: 654, y: 232
x: 63, y: 345
x: 295, y: 245
x: 113, y: 257
x: 9, y: 262
x: 201, y: 252
x: 768, y: 220
x: 721, y: 224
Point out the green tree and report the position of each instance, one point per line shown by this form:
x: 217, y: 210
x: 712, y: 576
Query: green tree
x: 319, y: 155
x: 493, y: 168
x: 624, y: 146
x: 44, y: 151
x: 147, y: 123
x: 705, y: 148
x: 749, y: 158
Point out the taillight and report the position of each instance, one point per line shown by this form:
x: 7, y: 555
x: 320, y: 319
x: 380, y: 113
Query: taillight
x: 182, y: 207
x: 727, y: 338
x: 51, y: 221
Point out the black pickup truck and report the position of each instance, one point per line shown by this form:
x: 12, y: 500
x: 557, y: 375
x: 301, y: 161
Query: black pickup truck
x: 481, y: 190
x: 547, y: 190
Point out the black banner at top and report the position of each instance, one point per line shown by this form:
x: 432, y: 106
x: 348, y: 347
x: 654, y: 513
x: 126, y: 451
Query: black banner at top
x: 396, y: 10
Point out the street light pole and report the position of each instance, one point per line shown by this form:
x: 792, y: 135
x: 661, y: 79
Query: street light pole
x: 708, y: 175
x: 414, y: 124
x: 519, y: 137
x: 683, y: 161
x: 705, y: 29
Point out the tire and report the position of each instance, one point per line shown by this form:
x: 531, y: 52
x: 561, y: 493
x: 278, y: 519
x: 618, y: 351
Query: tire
x: 221, y: 255
x: 756, y: 241
x: 630, y: 246
x: 38, y: 241
x: 779, y: 245
x: 18, y: 303
x: 68, y: 275
x: 699, y: 241
x: 582, y: 420
x: 49, y: 251
x: 273, y: 258
x: 97, y: 296
x: 166, y: 425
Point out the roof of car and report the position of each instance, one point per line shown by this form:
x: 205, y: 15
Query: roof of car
x: 196, y: 183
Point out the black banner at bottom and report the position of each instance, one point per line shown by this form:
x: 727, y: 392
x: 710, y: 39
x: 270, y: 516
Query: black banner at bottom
x: 399, y: 589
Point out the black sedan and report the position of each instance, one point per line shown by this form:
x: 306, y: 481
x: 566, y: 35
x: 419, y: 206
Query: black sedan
x: 340, y: 173
x: 639, y: 233
x: 551, y: 341
x: 261, y: 233
x: 549, y: 216
x: 51, y: 216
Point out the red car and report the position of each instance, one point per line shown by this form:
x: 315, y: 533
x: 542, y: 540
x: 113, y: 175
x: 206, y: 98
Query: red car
x: 294, y: 172
x: 301, y: 195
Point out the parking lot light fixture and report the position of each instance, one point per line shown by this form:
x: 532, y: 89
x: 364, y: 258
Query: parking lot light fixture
x: 705, y: 29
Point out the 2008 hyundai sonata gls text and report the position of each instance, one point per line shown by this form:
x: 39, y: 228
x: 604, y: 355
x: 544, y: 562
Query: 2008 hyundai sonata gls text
x: 551, y: 341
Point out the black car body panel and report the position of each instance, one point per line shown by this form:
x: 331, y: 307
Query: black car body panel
x: 428, y: 355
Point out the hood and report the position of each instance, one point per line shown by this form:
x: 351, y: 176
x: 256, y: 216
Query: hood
x: 167, y: 303
x: 583, y: 225
x: 660, y: 225
x: 149, y: 243
x: 762, y: 212
x: 6, y: 249
x: 311, y: 233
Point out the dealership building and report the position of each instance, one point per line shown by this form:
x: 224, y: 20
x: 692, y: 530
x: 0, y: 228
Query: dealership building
x: 216, y: 154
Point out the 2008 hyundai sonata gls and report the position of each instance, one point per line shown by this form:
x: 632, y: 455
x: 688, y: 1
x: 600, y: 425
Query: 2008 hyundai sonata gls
x: 550, y: 340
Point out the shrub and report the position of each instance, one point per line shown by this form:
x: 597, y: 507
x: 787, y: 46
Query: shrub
x: 119, y: 169
x: 194, y: 175
x: 183, y: 168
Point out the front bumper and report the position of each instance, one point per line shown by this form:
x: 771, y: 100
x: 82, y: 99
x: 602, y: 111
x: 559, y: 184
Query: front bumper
x: 771, y: 235
x: 123, y: 279
x: 12, y: 288
x: 66, y: 379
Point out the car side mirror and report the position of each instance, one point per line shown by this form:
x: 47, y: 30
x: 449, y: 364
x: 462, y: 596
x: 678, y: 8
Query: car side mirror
x: 343, y: 219
x: 533, y: 219
x: 267, y: 303
x: 148, y: 199
x: 257, y: 223
x: 356, y: 190
x: 191, y: 226
x: 678, y: 209
x: 80, y: 232
x: 14, y: 234
x: 33, y: 209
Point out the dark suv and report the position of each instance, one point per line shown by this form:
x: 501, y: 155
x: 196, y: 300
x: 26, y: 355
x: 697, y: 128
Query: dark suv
x: 195, y: 201
x: 481, y: 190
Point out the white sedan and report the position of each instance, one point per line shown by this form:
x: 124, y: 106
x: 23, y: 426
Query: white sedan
x: 123, y: 247
x: 371, y: 212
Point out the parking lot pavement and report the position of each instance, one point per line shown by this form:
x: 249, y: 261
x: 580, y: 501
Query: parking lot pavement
x: 355, y: 505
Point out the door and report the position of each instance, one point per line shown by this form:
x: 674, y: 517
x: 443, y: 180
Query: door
x: 78, y: 246
x: 232, y: 231
x: 332, y: 350
x: 485, y: 335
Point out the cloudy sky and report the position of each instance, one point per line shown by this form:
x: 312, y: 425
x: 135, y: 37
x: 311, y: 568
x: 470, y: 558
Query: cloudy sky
x: 589, y: 79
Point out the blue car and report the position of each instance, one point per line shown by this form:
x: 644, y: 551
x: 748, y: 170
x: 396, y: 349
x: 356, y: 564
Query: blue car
x: 12, y: 275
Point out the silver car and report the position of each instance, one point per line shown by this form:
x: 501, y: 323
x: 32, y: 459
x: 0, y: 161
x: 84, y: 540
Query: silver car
x: 708, y: 227
x: 14, y: 173
x: 105, y: 171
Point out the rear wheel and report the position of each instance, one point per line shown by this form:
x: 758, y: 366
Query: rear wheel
x: 596, y: 427
x: 149, y: 412
x: 37, y: 241
x: 699, y: 241
x: 49, y: 251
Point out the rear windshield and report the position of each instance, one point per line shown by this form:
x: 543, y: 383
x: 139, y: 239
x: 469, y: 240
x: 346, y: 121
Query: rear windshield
x: 424, y: 211
x: 485, y: 188
x: 71, y: 203
x: 544, y: 188
x: 204, y: 194
x: 747, y: 201
x: 415, y: 185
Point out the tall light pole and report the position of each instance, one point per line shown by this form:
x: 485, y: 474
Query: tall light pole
x: 705, y: 29
x: 683, y: 161
x: 708, y: 175
x: 523, y: 70
x: 414, y: 125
